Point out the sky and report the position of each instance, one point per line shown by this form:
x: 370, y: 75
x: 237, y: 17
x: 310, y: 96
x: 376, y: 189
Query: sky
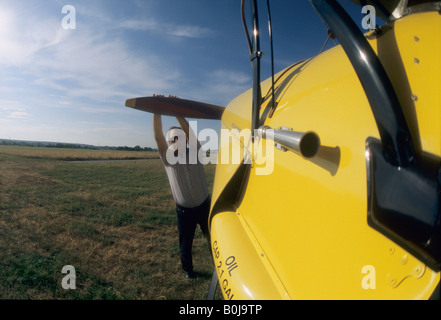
x: 65, y: 74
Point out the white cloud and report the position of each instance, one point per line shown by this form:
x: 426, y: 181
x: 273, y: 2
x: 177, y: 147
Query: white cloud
x: 13, y: 110
x: 19, y: 115
x: 134, y: 24
x: 91, y: 65
x: 189, y: 31
x: 166, y: 28
x: 224, y: 84
x: 55, y: 79
x: 229, y: 76
x: 87, y: 61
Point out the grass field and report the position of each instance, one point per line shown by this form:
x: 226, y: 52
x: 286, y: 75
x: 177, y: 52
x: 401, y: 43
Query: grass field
x: 76, y: 154
x: 114, y: 222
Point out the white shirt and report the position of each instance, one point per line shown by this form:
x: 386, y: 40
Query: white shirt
x: 187, y: 182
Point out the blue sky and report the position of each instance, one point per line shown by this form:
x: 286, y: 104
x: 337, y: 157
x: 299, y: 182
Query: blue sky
x: 70, y: 85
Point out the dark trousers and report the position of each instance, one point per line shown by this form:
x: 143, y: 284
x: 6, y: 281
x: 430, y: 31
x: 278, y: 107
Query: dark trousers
x: 188, y: 219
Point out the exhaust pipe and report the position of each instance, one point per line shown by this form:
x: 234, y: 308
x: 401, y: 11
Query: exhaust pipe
x: 305, y: 143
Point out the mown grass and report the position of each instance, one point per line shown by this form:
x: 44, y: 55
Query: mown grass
x: 113, y: 221
x: 76, y: 154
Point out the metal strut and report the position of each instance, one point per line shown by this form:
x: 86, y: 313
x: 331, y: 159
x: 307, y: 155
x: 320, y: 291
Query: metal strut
x: 256, y: 54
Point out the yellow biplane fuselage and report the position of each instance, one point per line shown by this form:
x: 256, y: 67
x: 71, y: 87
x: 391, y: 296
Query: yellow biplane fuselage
x: 300, y: 230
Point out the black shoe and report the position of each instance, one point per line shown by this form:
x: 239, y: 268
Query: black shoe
x: 190, y: 275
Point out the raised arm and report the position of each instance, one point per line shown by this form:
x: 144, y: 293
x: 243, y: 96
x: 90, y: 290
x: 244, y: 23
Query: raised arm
x: 187, y: 130
x: 184, y: 126
x: 158, y: 134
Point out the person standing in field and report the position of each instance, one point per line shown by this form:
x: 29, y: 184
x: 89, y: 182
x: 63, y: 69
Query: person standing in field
x: 188, y: 185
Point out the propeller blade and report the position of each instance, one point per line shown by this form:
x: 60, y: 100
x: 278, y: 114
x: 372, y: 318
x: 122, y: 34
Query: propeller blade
x: 174, y: 106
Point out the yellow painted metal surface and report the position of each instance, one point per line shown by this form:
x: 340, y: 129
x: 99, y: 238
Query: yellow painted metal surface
x: 243, y: 270
x: 301, y: 232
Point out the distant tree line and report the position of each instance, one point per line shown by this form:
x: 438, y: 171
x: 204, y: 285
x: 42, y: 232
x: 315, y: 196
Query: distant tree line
x: 70, y: 145
x: 135, y: 148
